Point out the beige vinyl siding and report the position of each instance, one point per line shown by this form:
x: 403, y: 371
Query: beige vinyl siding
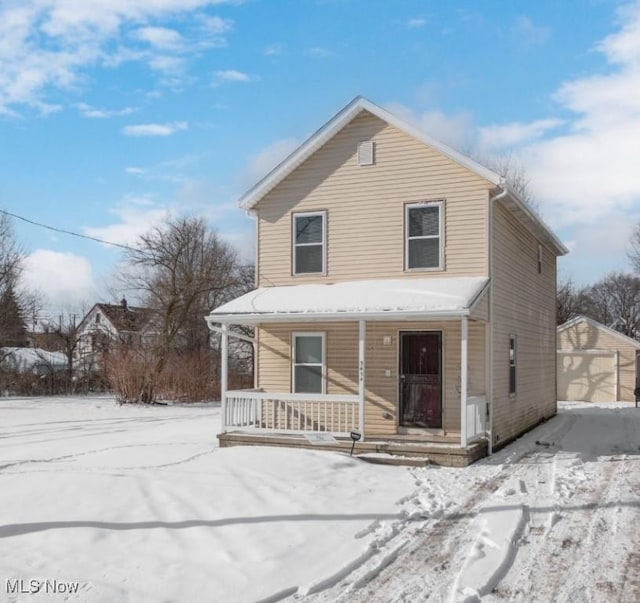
x: 585, y: 336
x: 365, y: 208
x: 589, y: 376
x: 381, y: 407
x: 523, y: 304
x: 481, y: 310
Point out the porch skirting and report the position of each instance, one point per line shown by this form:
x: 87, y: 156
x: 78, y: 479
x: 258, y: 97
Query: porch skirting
x: 444, y: 453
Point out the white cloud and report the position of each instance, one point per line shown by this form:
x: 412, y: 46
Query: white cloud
x: 264, y: 161
x: 135, y: 215
x: 273, y: 50
x: 318, y: 52
x: 166, y: 129
x: 161, y: 37
x: 232, y: 75
x: 456, y: 130
x: 528, y: 33
x: 507, y: 136
x: 416, y: 23
x: 46, y: 44
x: 244, y: 242
x: 592, y: 170
x: 94, y: 113
x: 65, y: 279
x: 136, y: 171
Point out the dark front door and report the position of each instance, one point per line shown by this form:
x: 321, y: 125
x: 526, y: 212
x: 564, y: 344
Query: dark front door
x: 421, y: 379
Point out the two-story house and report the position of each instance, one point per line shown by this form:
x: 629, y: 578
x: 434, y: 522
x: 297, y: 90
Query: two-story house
x: 403, y: 291
x: 107, y: 326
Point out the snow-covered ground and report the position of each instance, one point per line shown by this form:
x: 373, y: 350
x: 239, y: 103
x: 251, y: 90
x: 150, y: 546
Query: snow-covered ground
x: 139, y: 504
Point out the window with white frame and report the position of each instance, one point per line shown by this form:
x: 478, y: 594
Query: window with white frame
x: 423, y: 236
x: 309, y: 242
x: 308, y: 363
x: 512, y: 364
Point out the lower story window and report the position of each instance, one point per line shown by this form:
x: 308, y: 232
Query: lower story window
x: 512, y: 364
x: 308, y: 363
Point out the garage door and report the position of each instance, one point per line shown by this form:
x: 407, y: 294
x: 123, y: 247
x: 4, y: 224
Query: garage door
x: 589, y: 375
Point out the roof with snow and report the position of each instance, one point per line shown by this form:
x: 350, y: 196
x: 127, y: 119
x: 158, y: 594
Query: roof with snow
x: 512, y: 201
x: 24, y: 359
x: 384, y: 299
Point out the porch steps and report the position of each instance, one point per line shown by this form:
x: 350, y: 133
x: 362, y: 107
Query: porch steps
x: 448, y: 454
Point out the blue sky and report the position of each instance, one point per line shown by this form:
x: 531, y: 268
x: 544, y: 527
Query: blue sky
x: 115, y: 113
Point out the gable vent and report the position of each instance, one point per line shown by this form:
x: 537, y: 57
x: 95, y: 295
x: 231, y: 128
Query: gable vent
x: 366, y: 152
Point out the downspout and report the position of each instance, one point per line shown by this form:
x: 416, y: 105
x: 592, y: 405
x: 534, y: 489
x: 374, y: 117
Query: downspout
x: 489, y: 342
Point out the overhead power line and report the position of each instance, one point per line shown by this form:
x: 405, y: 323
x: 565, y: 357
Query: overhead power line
x: 67, y: 232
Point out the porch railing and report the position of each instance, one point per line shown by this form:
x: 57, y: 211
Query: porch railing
x: 299, y: 413
x: 476, y: 417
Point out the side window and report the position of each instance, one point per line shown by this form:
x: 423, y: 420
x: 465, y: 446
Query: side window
x: 539, y: 258
x: 423, y: 236
x: 309, y: 243
x: 512, y: 364
x: 307, y: 361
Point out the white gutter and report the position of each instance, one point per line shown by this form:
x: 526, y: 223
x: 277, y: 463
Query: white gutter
x: 489, y: 342
x: 260, y: 318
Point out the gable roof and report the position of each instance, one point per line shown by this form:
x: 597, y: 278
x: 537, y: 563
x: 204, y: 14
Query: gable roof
x: 127, y: 318
x: 122, y: 317
x: 598, y: 325
x: 345, y: 116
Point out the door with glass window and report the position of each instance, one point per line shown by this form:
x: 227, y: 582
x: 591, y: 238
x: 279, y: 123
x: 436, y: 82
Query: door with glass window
x: 421, y: 379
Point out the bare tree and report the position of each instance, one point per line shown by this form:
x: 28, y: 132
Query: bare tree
x: 633, y: 249
x: 511, y: 169
x: 570, y: 301
x: 615, y: 302
x: 11, y: 256
x: 65, y: 337
x: 182, y: 269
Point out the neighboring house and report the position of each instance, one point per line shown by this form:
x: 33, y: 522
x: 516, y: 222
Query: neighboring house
x: 595, y: 363
x: 107, y: 325
x: 34, y: 360
x: 404, y: 291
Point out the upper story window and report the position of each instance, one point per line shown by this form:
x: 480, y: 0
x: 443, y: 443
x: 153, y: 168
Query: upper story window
x: 539, y: 258
x: 309, y: 242
x: 423, y: 236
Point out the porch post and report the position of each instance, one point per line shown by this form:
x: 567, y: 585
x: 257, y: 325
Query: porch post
x: 464, y: 346
x: 224, y: 370
x: 361, y: 356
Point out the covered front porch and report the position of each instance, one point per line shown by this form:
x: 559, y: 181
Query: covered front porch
x: 409, y: 382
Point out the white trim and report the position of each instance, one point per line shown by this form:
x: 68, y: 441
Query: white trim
x: 489, y: 350
x: 588, y: 352
x: 224, y: 368
x: 257, y: 318
x: 323, y: 382
x: 464, y: 368
x: 294, y: 244
x: 616, y: 375
x: 439, y: 203
x: 362, y: 335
